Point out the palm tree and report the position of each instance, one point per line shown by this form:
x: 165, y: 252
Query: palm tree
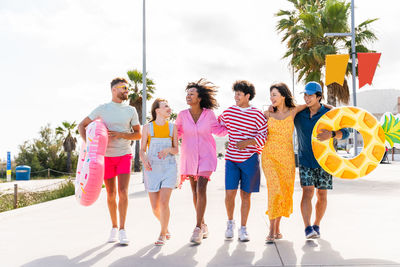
x: 66, y: 131
x: 173, y: 116
x: 135, y: 100
x: 303, y: 31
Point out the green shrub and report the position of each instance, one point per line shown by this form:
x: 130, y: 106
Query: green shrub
x: 31, y: 198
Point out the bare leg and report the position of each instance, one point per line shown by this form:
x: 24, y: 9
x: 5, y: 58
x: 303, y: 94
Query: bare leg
x: 123, y: 184
x: 320, y: 207
x: 195, y: 191
x: 165, y: 194
x: 155, y: 203
x: 277, y: 225
x: 306, y: 205
x: 201, y: 200
x: 230, y: 202
x: 272, y: 228
x: 245, y: 208
x: 111, y: 200
x: 193, y: 185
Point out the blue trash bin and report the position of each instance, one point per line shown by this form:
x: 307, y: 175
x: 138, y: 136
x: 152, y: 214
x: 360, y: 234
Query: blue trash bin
x: 22, y: 172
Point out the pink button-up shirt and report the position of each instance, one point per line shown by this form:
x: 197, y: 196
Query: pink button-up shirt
x: 198, y: 149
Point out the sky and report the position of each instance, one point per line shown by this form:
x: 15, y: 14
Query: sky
x: 57, y: 57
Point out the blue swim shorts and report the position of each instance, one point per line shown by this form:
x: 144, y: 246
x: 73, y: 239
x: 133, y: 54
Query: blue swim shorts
x: 246, y: 173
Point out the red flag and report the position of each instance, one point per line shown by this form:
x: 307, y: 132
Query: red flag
x: 367, y: 63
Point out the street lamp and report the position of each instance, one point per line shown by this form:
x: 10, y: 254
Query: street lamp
x: 144, y: 88
x: 353, y: 60
x: 144, y: 93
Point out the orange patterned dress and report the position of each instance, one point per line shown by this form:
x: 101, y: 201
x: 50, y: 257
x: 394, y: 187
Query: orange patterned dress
x: 279, y: 167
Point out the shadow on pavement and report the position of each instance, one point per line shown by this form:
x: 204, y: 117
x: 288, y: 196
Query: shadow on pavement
x: 320, y: 252
x: 239, y: 257
x: 152, y: 256
x: 362, y: 187
x: 62, y: 260
x: 286, y: 250
x: 139, y: 194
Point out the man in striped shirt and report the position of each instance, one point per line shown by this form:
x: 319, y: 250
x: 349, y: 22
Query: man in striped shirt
x: 247, y: 130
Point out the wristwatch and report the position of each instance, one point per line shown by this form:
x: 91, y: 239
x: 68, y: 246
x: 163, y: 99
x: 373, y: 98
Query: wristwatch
x: 333, y: 134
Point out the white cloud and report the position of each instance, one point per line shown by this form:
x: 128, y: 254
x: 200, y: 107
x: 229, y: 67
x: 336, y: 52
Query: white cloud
x: 58, y: 57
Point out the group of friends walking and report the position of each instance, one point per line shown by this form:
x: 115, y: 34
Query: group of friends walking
x: 251, y: 132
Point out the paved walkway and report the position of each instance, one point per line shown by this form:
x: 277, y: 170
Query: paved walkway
x: 31, y: 185
x: 360, y: 229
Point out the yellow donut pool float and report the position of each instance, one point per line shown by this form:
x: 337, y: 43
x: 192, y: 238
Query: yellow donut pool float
x: 371, y: 132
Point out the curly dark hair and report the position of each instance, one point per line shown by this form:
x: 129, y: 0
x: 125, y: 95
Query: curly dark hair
x: 285, y: 92
x: 118, y: 80
x: 206, y: 91
x: 246, y: 87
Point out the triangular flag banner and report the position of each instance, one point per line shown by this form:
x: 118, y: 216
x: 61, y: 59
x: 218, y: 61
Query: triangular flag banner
x: 367, y: 63
x: 336, y: 66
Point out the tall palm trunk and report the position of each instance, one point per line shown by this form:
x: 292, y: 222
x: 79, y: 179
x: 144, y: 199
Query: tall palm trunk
x: 69, y: 146
x: 331, y: 96
x: 137, y: 167
x: 69, y: 161
x: 338, y: 93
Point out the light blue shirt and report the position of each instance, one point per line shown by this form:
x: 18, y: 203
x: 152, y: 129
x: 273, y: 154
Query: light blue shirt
x: 118, y: 117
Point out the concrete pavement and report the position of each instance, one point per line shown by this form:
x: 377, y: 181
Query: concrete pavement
x: 360, y: 228
x: 31, y: 185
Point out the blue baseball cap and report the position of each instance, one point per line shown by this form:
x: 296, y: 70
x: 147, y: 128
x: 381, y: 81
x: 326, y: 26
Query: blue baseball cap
x: 312, y: 87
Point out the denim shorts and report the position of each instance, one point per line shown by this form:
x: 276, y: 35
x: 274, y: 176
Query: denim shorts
x: 163, y: 172
x: 161, y: 176
x: 316, y: 177
x: 247, y: 173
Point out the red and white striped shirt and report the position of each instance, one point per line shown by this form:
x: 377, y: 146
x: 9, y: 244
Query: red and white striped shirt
x: 242, y: 124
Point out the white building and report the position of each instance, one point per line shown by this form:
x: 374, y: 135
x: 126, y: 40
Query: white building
x: 377, y: 102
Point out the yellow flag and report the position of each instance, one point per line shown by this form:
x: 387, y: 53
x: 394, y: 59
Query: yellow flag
x: 336, y: 68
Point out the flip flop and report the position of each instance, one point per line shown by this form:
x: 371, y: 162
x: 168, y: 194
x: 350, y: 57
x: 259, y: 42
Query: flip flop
x: 270, y: 239
x: 161, y: 241
x: 278, y: 236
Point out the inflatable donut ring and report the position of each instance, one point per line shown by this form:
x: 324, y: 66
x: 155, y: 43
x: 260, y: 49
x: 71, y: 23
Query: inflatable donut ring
x: 373, y: 137
x: 90, y: 169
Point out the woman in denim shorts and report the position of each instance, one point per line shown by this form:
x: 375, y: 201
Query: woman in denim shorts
x: 158, y: 149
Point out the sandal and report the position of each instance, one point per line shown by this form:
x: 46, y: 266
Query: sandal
x: 161, y: 241
x: 278, y: 236
x: 168, y: 236
x: 270, y: 239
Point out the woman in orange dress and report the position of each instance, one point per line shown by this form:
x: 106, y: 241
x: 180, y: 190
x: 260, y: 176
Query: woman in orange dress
x: 278, y: 157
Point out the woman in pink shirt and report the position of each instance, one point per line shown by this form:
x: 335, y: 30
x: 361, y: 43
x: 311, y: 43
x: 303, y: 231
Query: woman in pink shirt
x: 198, y: 157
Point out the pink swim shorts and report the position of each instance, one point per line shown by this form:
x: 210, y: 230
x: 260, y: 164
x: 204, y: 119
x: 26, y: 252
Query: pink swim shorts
x: 117, y: 165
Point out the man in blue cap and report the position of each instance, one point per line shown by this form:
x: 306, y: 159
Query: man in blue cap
x: 312, y: 176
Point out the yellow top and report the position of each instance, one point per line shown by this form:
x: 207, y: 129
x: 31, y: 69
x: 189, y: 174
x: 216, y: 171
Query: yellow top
x: 159, y: 131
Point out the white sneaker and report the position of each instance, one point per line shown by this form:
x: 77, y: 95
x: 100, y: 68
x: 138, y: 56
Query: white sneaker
x: 204, y: 229
x: 197, y: 236
x: 230, y: 225
x: 123, y: 239
x: 113, y: 235
x: 243, y: 235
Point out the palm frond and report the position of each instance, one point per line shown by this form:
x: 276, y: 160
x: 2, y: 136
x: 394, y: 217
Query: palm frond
x: 391, y: 128
x: 303, y: 28
x: 366, y: 22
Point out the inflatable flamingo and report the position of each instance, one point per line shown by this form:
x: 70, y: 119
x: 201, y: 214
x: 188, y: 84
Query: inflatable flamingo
x: 90, y: 170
